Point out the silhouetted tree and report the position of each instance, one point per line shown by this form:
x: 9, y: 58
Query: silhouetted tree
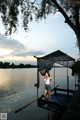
x: 10, y: 9
x: 76, y: 68
x: 1, y: 64
x: 6, y: 64
x: 12, y: 64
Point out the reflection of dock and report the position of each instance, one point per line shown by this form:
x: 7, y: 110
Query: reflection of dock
x: 73, y: 110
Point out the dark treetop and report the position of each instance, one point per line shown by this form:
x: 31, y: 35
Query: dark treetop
x: 38, y: 9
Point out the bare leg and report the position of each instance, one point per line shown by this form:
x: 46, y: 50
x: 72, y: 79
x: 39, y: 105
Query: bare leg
x: 45, y: 92
x: 49, y: 95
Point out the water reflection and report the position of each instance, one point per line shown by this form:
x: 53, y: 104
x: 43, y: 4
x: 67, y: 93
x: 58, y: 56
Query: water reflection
x: 17, y: 89
x: 50, y: 115
x: 15, y: 80
x: 53, y: 116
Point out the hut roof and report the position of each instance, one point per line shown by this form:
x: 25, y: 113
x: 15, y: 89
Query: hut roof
x: 47, y: 61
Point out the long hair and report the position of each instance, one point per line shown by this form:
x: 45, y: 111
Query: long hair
x: 43, y: 72
x: 47, y: 73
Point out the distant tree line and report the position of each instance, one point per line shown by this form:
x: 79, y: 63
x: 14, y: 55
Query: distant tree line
x: 12, y: 65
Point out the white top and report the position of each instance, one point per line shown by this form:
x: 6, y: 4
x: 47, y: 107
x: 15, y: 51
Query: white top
x: 47, y: 81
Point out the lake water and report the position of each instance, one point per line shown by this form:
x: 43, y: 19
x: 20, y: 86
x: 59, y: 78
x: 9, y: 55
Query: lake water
x: 17, y: 89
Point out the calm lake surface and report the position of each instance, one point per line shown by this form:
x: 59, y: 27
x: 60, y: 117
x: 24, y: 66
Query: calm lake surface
x: 17, y: 89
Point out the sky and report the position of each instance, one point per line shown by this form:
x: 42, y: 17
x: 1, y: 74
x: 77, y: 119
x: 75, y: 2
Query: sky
x: 43, y: 38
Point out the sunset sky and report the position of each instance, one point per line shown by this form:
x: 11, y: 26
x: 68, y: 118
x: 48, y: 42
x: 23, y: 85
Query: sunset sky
x: 43, y: 38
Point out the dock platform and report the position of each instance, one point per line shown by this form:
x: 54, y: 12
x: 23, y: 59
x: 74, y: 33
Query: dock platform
x: 59, y: 101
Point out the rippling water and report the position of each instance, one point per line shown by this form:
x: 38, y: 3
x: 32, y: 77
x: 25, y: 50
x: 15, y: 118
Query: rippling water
x: 17, y: 89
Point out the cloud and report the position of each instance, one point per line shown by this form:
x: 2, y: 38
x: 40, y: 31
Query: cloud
x: 29, y: 53
x: 8, y: 43
x: 17, y: 48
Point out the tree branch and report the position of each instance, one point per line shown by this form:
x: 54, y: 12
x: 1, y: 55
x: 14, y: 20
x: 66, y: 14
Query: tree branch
x: 64, y: 14
x: 77, y: 15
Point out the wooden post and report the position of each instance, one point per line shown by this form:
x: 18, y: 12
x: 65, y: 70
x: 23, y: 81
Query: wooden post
x: 38, y: 81
x: 67, y: 84
x: 54, y: 75
x: 75, y: 82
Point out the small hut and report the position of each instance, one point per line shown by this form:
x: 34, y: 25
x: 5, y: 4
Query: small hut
x: 59, y: 101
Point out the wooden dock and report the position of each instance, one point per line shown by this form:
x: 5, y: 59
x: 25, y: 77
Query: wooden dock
x: 73, y: 110
x: 59, y: 101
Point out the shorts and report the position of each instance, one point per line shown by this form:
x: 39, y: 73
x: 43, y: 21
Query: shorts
x: 47, y: 87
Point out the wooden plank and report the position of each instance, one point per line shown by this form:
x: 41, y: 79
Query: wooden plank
x: 55, y: 88
x: 77, y: 85
x: 52, y: 106
x: 51, y: 103
x: 65, y: 90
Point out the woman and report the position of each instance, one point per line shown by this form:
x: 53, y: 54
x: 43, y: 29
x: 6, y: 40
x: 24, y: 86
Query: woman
x: 47, y: 80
